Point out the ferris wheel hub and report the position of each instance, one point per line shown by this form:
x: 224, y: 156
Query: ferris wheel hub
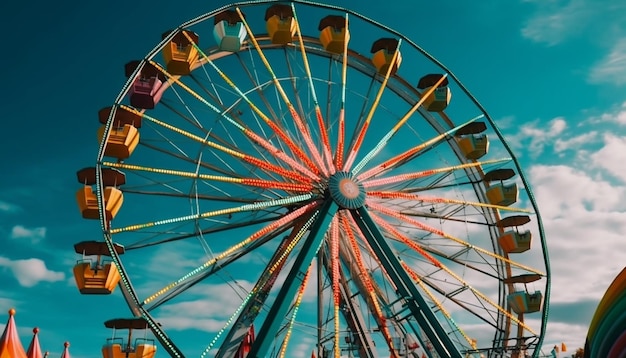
x: 346, y: 191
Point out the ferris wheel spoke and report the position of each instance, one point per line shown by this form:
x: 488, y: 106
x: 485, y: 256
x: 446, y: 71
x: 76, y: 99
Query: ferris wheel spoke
x: 152, y: 241
x: 253, y: 182
x: 416, y: 278
x: 255, y: 300
x: 416, y: 175
x: 228, y: 256
x: 363, y: 129
x: 385, y: 139
x: 296, y: 307
x: 334, y: 263
x: 301, y: 125
x: 258, y: 88
x: 318, y: 111
x: 248, y: 207
x: 398, y: 215
x: 342, y: 111
x: 281, y: 134
x: 441, y: 200
x: 466, y: 285
x: 366, y: 281
x: 247, y: 131
x: 404, y: 286
x: 409, y: 154
x: 236, y: 154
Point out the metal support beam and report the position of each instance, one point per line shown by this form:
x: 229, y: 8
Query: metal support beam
x: 425, y: 317
x: 242, y: 324
x: 280, y: 307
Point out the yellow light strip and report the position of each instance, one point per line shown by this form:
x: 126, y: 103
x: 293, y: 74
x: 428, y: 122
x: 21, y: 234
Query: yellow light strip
x: 318, y: 112
x: 255, y: 137
x: 398, y: 215
x: 415, y: 175
x: 294, y: 114
x: 256, y: 161
x: 439, y: 200
x: 438, y: 303
x: 413, y: 245
x: 361, y: 136
x: 334, y: 262
x: 264, y: 231
x: 305, y: 281
x: 342, y: 111
x: 245, y: 181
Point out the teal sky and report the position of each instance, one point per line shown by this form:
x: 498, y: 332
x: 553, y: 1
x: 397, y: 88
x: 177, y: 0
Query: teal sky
x: 551, y: 73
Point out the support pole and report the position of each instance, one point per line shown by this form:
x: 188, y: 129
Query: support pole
x: 425, y: 317
x: 280, y: 307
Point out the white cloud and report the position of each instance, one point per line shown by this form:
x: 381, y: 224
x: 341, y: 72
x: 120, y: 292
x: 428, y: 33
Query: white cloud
x: 30, y: 272
x: 584, y: 218
x: 614, y: 116
x: 572, y: 335
x: 535, y: 137
x: 8, y: 207
x: 553, y: 23
x: 35, y: 235
x: 612, y: 68
x: 612, y: 156
x: 209, y: 312
x: 561, y: 145
x: 599, y: 21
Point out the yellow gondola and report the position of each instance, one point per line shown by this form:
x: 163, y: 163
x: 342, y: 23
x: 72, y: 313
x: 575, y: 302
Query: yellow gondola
x: 473, y: 143
x: 503, y: 194
x: 440, y: 98
x: 525, y: 302
x: 121, y: 141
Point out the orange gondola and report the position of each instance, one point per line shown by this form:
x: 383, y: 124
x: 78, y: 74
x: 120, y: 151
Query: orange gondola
x: 116, y: 347
x: 280, y: 23
x: 96, y: 277
x: 180, y: 54
x: 512, y: 241
x: 383, y: 50
x: 333, y: 33
x: 503, y: 194
x: 113, y: 197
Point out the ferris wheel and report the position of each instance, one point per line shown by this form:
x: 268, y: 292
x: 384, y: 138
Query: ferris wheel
x: 281, y: 178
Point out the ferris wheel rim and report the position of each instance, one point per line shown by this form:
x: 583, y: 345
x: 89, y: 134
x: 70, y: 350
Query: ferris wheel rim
x: 155, y: 51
